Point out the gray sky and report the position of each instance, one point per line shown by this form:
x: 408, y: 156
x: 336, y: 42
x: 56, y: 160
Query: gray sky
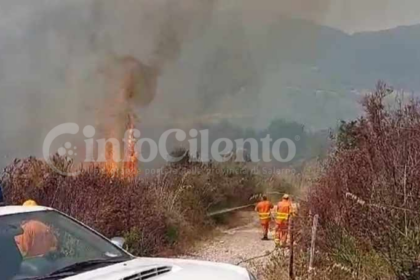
x: 361, y: 15
x: 348, y: 15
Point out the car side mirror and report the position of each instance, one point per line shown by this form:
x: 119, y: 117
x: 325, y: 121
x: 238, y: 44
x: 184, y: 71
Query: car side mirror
x: 118, y: 241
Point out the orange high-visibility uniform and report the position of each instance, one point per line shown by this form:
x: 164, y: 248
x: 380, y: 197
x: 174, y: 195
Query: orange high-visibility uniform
x: 264, y: 210
x: 284, y: 209
x: 37, y: 239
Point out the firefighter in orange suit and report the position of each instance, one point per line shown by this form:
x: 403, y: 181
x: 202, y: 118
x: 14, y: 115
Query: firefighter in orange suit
x: 283, y: 212
x: 264, y: 211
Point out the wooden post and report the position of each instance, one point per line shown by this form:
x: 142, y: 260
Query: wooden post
x: 312, y: 252
x: 291, y: 253
x: 405, y: 200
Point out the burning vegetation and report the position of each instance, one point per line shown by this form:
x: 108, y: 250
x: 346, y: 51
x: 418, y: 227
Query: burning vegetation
x: 136, y: 85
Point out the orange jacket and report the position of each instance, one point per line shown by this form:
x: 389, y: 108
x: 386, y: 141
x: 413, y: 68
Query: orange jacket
x: 263, y: 208
x: 284, y: 209
x: 37, y: 239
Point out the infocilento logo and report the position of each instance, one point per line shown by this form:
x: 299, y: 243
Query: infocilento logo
x: 67, y: 150
x: 220, y: 150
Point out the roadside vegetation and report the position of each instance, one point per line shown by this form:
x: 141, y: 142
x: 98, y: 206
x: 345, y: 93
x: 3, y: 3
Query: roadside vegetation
x: 164, y: 212
x: 369, y: 195
x: 366, y: 193
x: 155, y: 214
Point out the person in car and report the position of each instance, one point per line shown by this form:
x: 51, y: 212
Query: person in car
x: 37, y: 238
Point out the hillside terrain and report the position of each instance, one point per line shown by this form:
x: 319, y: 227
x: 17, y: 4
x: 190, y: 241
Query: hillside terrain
x: 293, y: 69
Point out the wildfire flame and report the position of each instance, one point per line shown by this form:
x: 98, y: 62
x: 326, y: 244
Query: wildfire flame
x: 130, y: 165
x: 111, y: 166
x: 135, y: 86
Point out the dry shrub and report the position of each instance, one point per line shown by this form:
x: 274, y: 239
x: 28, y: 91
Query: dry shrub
x: 153, y: 213
x: 368, y: 197
x: 275, y: 268
x: 112, y: 205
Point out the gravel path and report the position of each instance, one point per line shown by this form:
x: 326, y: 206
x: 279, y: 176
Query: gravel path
x: 236, y: 243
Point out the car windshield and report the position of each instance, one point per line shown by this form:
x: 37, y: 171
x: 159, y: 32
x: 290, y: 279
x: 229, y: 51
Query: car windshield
x: 37, y: 244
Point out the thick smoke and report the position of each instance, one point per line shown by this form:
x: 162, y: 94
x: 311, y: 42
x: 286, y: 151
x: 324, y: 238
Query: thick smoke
x: 89, y: 62
x: 169, y: 62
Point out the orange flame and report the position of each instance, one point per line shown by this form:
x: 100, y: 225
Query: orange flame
x: 132, y: 89
x: 130, y: 167
x: 111, y: 166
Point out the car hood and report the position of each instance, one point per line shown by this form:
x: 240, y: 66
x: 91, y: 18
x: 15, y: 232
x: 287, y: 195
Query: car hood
x: 180, y: 270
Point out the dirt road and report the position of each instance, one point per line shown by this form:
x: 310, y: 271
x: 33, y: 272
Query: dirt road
x: 233, y: 244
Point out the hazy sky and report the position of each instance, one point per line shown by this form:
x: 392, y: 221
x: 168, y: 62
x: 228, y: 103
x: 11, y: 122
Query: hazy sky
x: 360, y: 15
x: 347, y: 15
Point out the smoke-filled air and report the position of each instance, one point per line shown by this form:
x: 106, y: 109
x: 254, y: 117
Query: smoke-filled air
x: 190, y: 63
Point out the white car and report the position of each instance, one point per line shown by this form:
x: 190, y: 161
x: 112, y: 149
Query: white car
x: 83, y: 254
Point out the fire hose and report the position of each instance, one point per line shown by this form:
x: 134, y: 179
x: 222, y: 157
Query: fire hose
x: 228, y: 210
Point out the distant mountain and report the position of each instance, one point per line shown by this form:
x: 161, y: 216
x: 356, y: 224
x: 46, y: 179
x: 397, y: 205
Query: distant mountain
x: 357, y: 60
x: 285, y: 68
x: 313, y: 73
x: 392, y: 55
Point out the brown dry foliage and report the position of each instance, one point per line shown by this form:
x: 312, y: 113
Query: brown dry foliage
x: 368, y: 197
x: 153, y: 213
